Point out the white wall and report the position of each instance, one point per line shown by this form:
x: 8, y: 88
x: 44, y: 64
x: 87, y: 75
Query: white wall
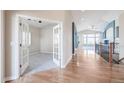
x: 121, y: 34
x: 117, y: 40
x: 67, y: 38
x: 109, y: 34
x: 41, y: 39
x: 12, y: 71
x: 46, y: 39
x: 1, y: 46
x: 35, y: 40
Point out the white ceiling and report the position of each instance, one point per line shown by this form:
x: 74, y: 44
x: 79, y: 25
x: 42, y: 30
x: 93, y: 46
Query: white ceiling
x: 35, y: 22
x: 94, y: 19
x: 85, y: 19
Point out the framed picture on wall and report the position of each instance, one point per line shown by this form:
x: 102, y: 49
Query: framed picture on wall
x: 117, y: 31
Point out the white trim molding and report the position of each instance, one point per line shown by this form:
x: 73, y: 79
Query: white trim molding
x: 34, y: 52
x: 68, y: 61
x: 16, y: 59
x: 2, y: 46
x: 46, y: 52
x: 11, y: 78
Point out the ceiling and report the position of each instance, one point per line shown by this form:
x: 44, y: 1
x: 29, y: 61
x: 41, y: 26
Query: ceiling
x: 93, y: 19
x: 38, y: 22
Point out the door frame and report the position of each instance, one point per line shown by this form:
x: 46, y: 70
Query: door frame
x: 21, y: 47
x: 17, y: 58
x: 59, y: 26
x: 2, y: 56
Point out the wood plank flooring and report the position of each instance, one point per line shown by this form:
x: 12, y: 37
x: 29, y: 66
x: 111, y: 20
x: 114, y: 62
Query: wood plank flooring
x: 85, y: 67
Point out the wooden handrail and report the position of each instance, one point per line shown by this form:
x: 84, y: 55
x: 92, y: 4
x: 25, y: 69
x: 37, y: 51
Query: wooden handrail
x: 108, y: 43
x: 107, y: 51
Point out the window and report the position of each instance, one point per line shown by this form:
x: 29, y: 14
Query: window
x: 90, y: 39
x: 85, y: 39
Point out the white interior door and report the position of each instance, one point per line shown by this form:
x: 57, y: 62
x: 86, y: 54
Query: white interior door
x: 24, y: 45
x: 57, y: 45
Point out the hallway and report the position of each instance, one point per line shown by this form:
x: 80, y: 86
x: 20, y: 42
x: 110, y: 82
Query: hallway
x: 86, y: 67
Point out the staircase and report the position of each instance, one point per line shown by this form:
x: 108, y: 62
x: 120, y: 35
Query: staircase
x: 109, y: 52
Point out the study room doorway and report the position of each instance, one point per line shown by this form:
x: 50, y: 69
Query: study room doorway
x: 40, y: 44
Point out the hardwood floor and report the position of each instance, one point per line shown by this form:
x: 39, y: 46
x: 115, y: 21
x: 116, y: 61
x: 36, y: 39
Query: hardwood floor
x: 85, y: 67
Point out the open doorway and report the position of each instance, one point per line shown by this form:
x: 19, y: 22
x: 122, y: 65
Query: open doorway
x: 88, y: 40
x: 40, y: 44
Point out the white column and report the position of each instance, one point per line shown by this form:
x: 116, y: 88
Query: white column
x: 1, y: 46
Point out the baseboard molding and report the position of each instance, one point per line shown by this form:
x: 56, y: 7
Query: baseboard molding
x: 74, y: 54
x: 3, y: 81
x: 69, y: 59
x: 34, y: 53
x: 10, y: 78
x: 46, y: 52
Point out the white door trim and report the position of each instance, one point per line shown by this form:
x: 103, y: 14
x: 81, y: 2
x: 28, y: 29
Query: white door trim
x: 2, y: 47
x: 17, y: 41
x: 24, y: 33
x: 57, y: 61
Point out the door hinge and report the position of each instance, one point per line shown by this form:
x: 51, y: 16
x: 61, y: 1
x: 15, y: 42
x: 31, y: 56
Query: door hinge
x: 20, y: 24
x: 20, y: 45
x: 20, y: 66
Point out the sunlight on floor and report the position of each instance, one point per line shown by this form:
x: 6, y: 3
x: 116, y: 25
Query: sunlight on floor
x: 89, y: 50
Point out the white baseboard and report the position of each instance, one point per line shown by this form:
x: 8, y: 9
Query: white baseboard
x: 46, y: 52
x: 34, y: 53
x: 11, y: 78
x: 69, y: 59
x: 3, y: 81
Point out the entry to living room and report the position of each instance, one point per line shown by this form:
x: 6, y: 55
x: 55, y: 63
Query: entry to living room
x: 39, y: 45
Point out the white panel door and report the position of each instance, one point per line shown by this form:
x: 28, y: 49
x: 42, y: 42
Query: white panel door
x: 24, y: 45
x: 57, y: 45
